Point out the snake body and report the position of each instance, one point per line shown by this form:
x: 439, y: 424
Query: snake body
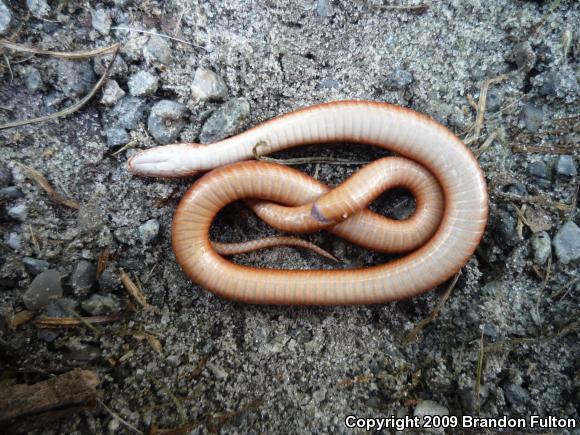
x: 432, y: 163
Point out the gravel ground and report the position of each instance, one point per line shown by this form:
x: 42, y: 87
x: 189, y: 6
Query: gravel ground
x: 505, y: 343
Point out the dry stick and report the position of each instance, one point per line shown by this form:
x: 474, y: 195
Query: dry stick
x: 303, y: 160
x: 43, y: 182
x: 71, y: 109
x: 72, y: 55
x: 116, y: 416
x: 161, y: 35
x: 73, y: 322
x: 479, y: 371
x: 486, y: 144
x: 481, y: 104
x: 133, y: 289
x: 421, y: 7
x: 415, y: 331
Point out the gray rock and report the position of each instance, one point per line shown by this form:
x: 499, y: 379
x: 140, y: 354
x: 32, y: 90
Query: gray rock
x: 431, y: 408
x: 128, y: 112
x: 34, y: 265
x: 117, y: 136
x: 226, y: 120
x: 119, y: 68
x: 63, y: 307
x: 18, y: 212
x: 324, y: 8
x: 44, y: 289
x: 78, y: 351
x: 505, y: 232
x: 532, y: 116
x: 399, y: 79
x: 13, y: 240
x: 566, y: 168
x: 207, y: 85
x: 32, y: 79
x: 5, y: 175
x: 38, y: 8
x: 561, y: 84
x: 101, y: 21
x: 149, y: 231
x: 567, y: 243
x: 166, y: 121
x: 517, y: 189
x: 542, y: 247
x: 112, y: 93
x: 539, y: 170
x: 75, y: 78
x: 83, y: 277
x: 515, y: 395
x: 158, y: 49
x: 99, y: 304
x: 10, y: 192
x: 108, y: 280
x: 524, y: 56
x: 5, y: 17
x: 491, y: 331
x: 143, y: 83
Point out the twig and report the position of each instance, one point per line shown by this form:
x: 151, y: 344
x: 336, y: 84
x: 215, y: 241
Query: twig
x: 116, y: 416
x: 71, y: 109
x: 71, y: 55
x: 486, y: 144
x: 411, y: 336
x: 47, y: 322
x: 53, y: 194
x: 161, y: 35
x: 481, y: 104
x: 420, y: 7
x: 133, y: 289
x: 479, y: 371
x: 303, y: 160
x: 174, y: 399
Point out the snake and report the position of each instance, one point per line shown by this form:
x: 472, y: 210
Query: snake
x: 429, y: 161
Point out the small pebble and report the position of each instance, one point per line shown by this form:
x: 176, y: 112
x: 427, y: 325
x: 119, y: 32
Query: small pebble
x: 79, y: 351
x: 5, y: 17
x: 38, y: 8
x: 567, y: 243
x: 75, y: 78
x: 158, y: 49
x: 18, y: 212
x: 539, y: 170
x: 216, y: 370
x: 226, y: 120
x: 430, y: 408
x: 128, y: 112
x: 32, y: 79
x: 35, y: 266
x: 119, y: 68
x: 5, y: 175
x: 515, y: 395
x: 149, y: 231
x: 99, y: 304
x: 399, y: 79
x: 83, y: 277
x: 112, y: 93
x: 532, y: 116
x: 10, y: 192
x: 166, y: 121
x: 45, y: 288
x: 524, y: 56
x: 108, y: 280
x: 566, y: 168
x: 506, y: 229
x: 143, y: 83
x: 101, y: 21
x: 561, y: 84
x: 207, y: 85
x: 61, y: 307
x: 542, y: 247
x: 117, y: 136
x: 13, y: 240
x: 324, y: 8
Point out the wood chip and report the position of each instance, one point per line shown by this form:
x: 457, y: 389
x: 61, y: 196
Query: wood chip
x: 26, y: 407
